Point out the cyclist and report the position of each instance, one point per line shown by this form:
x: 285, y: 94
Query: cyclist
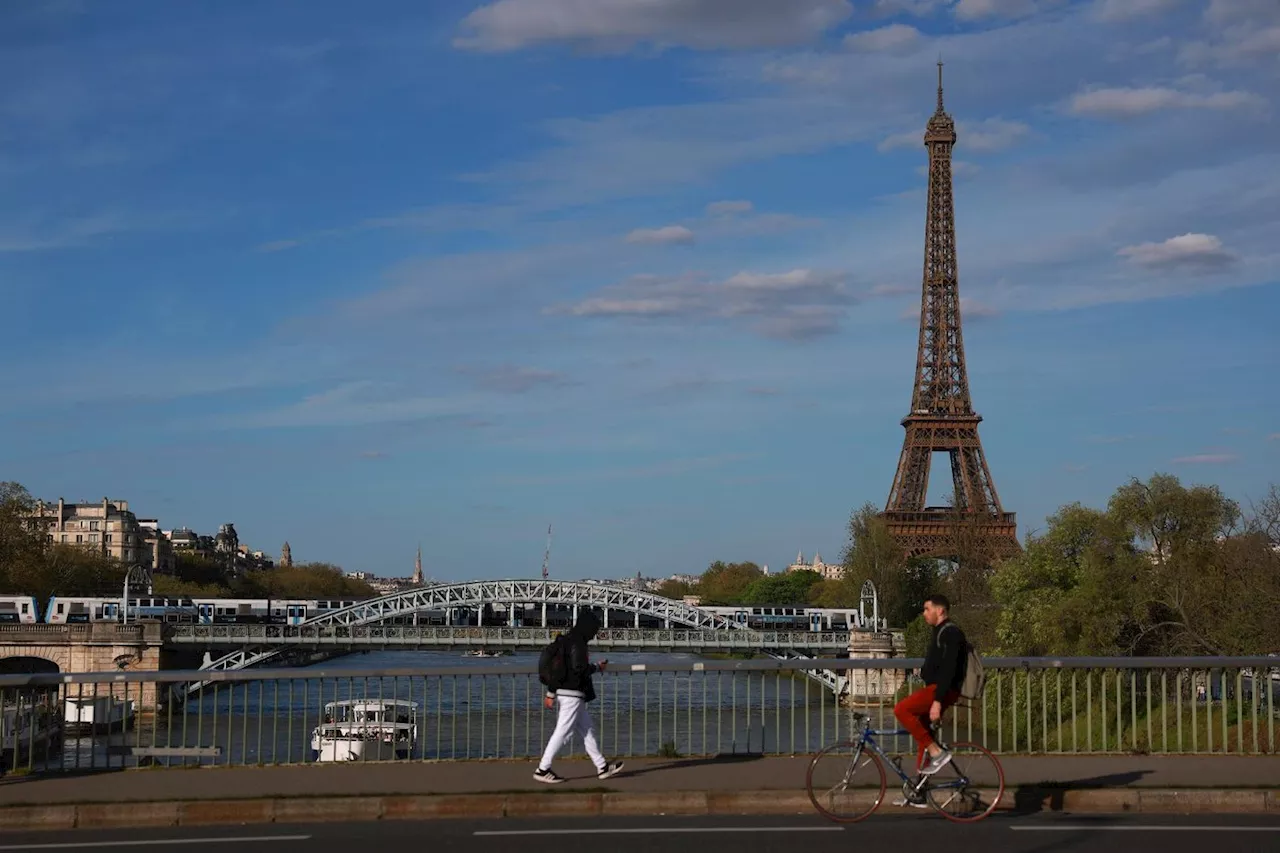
x: 943, y: 673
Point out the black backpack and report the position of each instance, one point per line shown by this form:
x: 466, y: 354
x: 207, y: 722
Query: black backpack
x: 551, y: 663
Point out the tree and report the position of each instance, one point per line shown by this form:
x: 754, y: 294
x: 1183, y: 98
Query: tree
x: 1165, y: 569
x: 724, y: 583
x: 21, y: 544
x: 788, y: 589
x: 673, y: 589
x: 872, y: 554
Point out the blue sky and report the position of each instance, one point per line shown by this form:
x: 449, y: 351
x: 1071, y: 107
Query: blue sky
x: 447, y: 272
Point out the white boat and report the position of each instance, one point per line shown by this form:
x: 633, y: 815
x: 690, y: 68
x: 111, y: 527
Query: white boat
x: 26, y: 731
x: 97, y: 713
x: 366, y: 730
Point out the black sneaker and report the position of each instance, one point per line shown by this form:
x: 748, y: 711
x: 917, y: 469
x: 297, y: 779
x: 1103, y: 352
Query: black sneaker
x: 550, y: 777
x: 609, y: 770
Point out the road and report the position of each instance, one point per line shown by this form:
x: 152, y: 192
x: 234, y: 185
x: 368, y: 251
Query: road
x: 1035, y: 834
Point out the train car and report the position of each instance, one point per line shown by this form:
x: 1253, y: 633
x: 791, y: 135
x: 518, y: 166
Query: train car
x: 19, y: 609
x: 71, y: 610
x: 784, y: 618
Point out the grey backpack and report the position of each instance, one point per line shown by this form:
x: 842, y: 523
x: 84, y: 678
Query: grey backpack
x: 975, y: 677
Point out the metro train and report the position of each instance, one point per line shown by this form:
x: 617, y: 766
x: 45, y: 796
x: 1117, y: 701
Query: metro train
x: 197, y: 611
x: 789, y: 618
x: 22, y: 609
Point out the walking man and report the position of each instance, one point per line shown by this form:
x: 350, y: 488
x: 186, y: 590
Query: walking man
x: 571, y: 689
x: 943, y: 673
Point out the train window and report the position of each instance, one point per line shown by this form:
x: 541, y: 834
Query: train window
x: 61, y: 607
x: 26, y: 608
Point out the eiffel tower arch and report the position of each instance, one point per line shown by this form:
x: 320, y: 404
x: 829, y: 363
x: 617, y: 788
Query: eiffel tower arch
x: 942, y: 418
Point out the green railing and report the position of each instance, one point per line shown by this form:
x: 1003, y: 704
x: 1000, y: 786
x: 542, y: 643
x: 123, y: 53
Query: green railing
x: 1177, y: 706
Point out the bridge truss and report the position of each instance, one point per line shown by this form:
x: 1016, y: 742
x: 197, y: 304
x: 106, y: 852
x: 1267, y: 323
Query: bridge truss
x: 475, y: 594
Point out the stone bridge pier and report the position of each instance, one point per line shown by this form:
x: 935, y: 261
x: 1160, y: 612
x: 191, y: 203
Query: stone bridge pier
x: 873, y: 686
x: 106, y: 648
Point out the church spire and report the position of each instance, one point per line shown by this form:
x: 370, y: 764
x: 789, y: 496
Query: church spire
x: 417, y: 567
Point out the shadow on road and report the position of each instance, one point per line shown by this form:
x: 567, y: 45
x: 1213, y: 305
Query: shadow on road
x: 1033, y: 799
x: 677, y: 763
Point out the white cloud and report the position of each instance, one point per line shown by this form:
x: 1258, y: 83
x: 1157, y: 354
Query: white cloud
x: 1113, y: 11
x: 917, y: 8
x: 797, y: 304
x: 1121, y: 102
x: 894, y: 37
x: 1206, y: 459
x: 1197, y: 252
x: 660, y: 236
x: 726, y: 208
x: 622, y: 24
x: 974, y: 10
x: 906, y: 139
x: 512, y: 379
x: 991, y: 134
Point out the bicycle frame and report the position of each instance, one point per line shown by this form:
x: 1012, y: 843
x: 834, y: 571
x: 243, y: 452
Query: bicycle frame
x: 867, y: 739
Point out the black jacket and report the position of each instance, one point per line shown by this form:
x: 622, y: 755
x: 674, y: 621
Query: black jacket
x: 578, y: 666
x: 944, y: 661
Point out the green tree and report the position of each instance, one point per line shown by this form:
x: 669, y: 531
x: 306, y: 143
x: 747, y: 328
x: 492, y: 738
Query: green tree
x: 302, y: 580
x: 1165, y: 569
x: 724, y: 583
x: 788, y: 589
x: 872, y: 555
x: 673, y: 589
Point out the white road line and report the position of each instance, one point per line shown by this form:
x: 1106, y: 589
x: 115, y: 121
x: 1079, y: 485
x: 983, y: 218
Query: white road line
x: 71, y: 845
x: 1087, y: 828
x: 656, y: 829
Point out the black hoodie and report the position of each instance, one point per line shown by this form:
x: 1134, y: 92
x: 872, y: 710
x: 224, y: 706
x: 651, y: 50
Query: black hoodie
x: 578, y: 668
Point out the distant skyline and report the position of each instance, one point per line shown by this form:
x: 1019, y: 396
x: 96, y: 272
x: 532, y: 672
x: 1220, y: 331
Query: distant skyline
x: 449, y: 272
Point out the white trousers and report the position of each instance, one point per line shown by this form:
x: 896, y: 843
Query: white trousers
x: 572, y: 716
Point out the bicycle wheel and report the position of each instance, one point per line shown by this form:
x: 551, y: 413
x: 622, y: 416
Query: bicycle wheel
x: 845, y: 782
x: 969, y: 787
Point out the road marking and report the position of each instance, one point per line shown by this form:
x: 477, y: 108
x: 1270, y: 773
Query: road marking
x: 1087, y: 828
x: 69, y: 845
x: 648, y: 830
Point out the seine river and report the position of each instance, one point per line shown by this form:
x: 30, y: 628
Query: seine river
x: 486, y: 710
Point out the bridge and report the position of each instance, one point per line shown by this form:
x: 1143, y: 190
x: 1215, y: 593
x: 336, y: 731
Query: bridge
x: 435, y: 638
x: 475, y: 595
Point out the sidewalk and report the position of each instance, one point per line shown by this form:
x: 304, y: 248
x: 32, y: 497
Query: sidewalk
x: 737, y: 785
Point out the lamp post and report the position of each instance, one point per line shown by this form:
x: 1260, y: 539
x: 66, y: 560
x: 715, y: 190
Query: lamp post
x: 144, y: 576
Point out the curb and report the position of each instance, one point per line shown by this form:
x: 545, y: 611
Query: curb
x: 212, y: 812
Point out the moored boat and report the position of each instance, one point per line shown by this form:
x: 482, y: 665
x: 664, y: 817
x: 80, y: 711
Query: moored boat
x: 366, y: 730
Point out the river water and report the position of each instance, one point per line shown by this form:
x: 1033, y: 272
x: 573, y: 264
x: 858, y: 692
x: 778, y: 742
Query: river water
x: 485, y: 711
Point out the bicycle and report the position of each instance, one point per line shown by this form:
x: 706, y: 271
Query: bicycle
x: 965, y: 780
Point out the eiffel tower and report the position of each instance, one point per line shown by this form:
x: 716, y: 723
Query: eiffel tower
x: 942, y: 416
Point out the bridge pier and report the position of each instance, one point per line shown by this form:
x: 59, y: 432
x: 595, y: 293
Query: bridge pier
x: 873, y: 686
x: 105, y: 648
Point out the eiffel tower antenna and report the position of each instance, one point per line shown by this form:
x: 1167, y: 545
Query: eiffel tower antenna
x: 942, y: 418
x: 546, y: 555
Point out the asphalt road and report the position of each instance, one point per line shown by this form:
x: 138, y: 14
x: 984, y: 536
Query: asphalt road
x: 1038, y: 834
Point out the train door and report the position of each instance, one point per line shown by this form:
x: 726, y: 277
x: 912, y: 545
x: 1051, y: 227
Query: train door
x: 740, y: 616
x: 295, y: 614
x: 204, y: 614
x: 111, y: 612
x: 815, y: 621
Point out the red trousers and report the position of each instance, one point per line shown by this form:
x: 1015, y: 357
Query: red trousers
x: 913, y: 713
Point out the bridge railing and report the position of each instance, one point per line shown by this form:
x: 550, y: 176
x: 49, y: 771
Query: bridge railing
x: 492, y: 709
x: 494, y: 637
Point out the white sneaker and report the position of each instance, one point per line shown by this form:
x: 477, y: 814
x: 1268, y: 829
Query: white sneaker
x: 939, y: 761
x: 609, y: 770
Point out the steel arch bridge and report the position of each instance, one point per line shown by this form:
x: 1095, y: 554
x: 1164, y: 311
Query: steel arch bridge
x: 501, y: 592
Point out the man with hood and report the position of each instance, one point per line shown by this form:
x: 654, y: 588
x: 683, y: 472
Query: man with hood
x: 572, y: 694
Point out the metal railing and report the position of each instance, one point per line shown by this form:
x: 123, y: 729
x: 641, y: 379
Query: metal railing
x: 1176, y: 706
x: 491, y: 637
